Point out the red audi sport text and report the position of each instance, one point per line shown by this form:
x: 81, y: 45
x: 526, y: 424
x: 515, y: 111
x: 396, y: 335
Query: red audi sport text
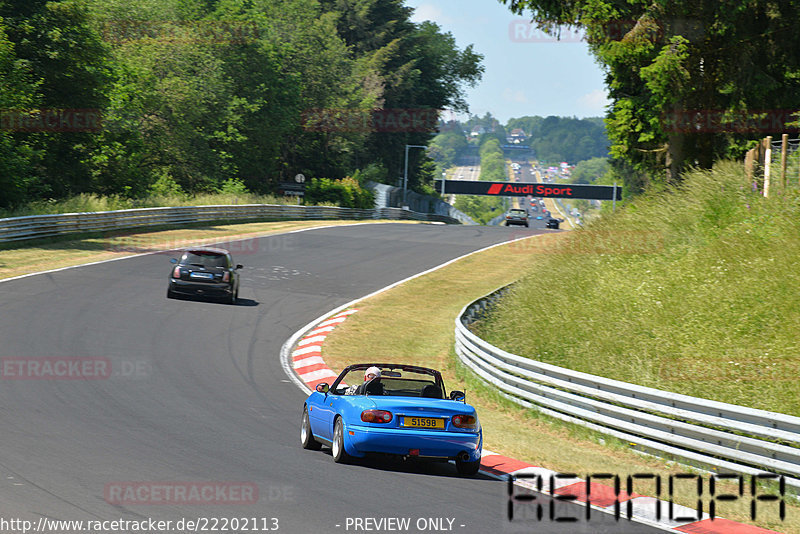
x: 538, y: 190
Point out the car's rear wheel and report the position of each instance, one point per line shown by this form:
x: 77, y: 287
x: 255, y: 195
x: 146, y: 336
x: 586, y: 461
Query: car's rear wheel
x: 306, y: 436
x: 233, y: 296
x: 340, y: 455
x: 468, y: 468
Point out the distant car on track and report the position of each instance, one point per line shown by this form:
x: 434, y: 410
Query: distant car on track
x: 403, y: 413
x: 517, y: 216
x: 205, y: 271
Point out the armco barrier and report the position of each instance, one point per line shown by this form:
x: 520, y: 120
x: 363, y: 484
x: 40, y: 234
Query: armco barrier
x: 39, y: 226
x: 724, y: 437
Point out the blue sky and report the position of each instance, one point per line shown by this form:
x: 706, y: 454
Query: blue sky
x: 526, y: 72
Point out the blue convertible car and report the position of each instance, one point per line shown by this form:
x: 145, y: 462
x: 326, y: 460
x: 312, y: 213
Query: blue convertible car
x: 402, y: 412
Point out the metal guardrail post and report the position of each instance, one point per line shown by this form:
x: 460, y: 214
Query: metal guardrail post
x: 40, y: 226
x: 724, y: 436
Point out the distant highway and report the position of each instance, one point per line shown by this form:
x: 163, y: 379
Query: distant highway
x: 462, y: 172
x: 525, y: 173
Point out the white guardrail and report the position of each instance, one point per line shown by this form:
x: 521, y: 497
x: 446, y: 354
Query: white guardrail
x: 701, y: 432
x: 39, y: 226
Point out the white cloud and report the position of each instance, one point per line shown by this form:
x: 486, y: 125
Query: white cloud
x: 518, y: 97
x: 595, y: 101
x: 430, y: 12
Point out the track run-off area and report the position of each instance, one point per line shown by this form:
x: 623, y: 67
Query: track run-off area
x: 117, y: 404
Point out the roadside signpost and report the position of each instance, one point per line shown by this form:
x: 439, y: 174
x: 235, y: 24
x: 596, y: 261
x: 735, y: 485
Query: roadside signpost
x: 296, y: 188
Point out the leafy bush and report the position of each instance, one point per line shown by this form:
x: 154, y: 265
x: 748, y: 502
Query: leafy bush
x: 233, y: 186
x: 346, y: 193
x: 374, y: 172
x: 166, y: 186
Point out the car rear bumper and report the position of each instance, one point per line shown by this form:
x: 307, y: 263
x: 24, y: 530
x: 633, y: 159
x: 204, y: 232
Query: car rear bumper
x: 212, y: 289
x: 361, y: 440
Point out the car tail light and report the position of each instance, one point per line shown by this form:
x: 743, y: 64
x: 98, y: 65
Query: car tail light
x: 376, y: 416
x: 226, y: 277
x: 176, y: 272
x: 465, y: 421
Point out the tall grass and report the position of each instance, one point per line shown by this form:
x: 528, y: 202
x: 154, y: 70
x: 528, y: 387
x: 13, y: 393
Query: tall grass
x: 694, y: 290
x: 89, y: 202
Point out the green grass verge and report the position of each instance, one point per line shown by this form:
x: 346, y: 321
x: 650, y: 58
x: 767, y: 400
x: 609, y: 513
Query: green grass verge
x: 414, y: 323
x: 692, y: 290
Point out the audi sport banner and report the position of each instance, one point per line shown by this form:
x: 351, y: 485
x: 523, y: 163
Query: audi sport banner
x: 520, y: 189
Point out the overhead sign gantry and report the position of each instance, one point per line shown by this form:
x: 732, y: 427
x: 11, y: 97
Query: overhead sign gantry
x: 520, y: 189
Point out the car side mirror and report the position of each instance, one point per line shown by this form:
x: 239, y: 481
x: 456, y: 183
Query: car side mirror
x: 173, y: 260
x: 457, y: 395
x: 323, y: 388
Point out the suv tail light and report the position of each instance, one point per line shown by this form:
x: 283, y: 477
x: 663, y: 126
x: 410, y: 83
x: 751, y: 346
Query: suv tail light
x: 469, y: 422
x: 226, y: 277
x: 176, y: 272
x: 376, y: 416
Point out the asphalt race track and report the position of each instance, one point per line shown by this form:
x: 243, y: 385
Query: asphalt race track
x: 186, y: 399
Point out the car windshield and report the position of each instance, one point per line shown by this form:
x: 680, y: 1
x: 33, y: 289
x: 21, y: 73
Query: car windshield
x: 518, y: 212
x: 204, y: 259
x: 397, y: 382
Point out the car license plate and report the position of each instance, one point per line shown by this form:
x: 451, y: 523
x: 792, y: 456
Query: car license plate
x: 423, y: 422
x: 204, y: 276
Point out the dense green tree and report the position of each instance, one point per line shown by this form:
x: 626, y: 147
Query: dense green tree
x: 446, y: 147
x: 483, y: 208
x: 196, y: 95
x: 56, y: 47
x: 682, y: 75
x: 531, y: 125
x: 17, y: 156
x: 556, y: 139
x: 590, y: 171
x: 409, y: 67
